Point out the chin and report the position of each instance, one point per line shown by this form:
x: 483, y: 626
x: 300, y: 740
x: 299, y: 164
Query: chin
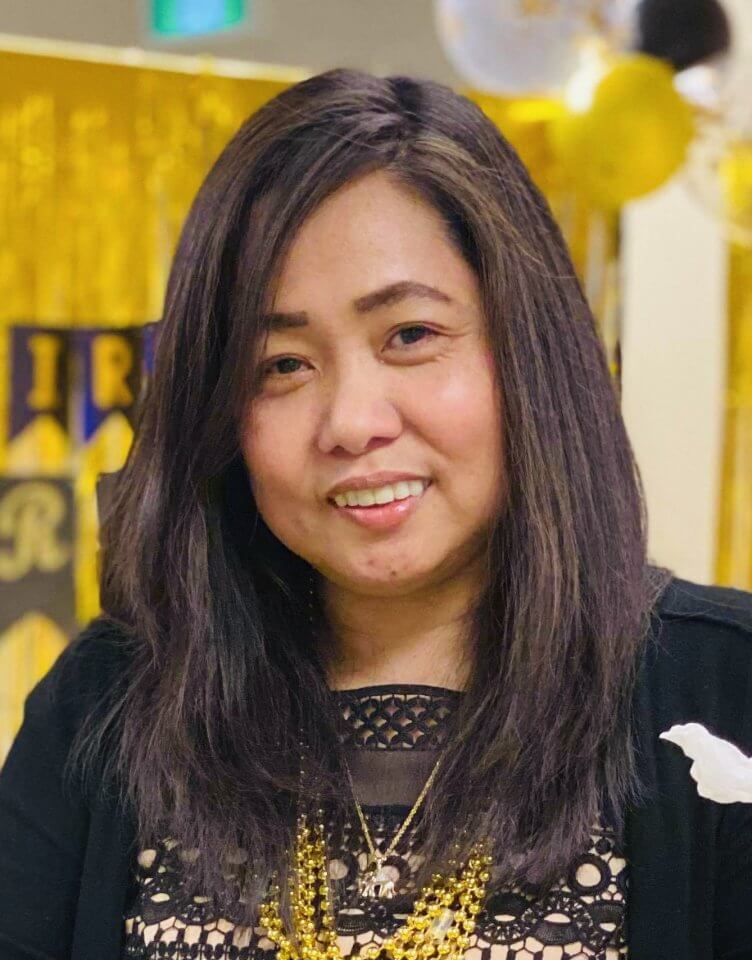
x: 385, y: 581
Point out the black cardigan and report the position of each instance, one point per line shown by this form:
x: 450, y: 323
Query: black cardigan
x: 65, y: 863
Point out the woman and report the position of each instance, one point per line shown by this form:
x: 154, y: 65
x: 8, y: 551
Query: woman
x: 377, y: 608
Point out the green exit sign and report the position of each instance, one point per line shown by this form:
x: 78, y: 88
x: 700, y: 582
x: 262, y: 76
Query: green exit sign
x: 193, y: 18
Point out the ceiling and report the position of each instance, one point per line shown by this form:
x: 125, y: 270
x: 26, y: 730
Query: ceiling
x: 383, y: 36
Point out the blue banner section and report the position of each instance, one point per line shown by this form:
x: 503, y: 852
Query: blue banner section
x: 108, y: 364
x: 149, y: 339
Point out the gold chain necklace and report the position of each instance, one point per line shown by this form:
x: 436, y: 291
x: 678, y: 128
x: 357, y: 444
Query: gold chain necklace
x: 439, y: 926
x: 375, y: 881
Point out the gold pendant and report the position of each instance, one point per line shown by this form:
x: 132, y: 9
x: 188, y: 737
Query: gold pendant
x: 376, y: 882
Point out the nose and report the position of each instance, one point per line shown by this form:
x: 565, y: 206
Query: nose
x: 357, y: 410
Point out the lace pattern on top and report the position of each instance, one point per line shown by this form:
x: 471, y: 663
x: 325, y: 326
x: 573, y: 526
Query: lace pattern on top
x: 583, y: 916
x: 390, y: 717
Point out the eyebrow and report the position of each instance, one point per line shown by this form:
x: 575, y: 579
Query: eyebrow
x: 384, y: 297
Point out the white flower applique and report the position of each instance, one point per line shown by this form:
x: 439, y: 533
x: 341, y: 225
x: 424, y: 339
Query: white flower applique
x: 722, y: 772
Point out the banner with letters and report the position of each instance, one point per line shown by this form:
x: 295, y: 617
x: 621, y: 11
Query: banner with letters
x: 37, y: 599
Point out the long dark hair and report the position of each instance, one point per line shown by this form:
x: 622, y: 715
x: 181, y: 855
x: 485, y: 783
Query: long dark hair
x: 224, y: 681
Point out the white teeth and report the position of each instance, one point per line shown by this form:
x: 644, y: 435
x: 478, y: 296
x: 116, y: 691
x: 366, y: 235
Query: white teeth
x: 379, y: 495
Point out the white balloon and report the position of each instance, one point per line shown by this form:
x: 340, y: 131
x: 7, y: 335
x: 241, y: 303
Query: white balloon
x: 525, y: 46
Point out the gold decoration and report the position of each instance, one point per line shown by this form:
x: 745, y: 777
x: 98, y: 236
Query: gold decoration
x: 734, y: 554
x: 28, y: 648
x: 101, y: 153
x: 591, y: 232
x: 631, y: 137
x: 440, y: 924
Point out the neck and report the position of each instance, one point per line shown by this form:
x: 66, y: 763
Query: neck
x: 420, y: 638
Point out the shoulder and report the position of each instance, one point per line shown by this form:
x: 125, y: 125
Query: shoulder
x: 698, y: 659
x: 703, y: 624
x: 725, y: 607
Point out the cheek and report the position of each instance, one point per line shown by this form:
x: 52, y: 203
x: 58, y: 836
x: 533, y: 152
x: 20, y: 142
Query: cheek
x: 278, y: 478
x: 274, y: 466
x: 464, y: 421
x: 465, y: 416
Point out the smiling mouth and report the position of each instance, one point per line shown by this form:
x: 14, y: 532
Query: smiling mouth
x: 383, y: 517
x: 425, y: 484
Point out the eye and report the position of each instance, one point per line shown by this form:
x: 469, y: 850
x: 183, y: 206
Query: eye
x: 415, y: 333
x: 282, y: 366
x: 285, y: 367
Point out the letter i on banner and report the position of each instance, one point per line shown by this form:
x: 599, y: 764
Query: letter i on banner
x: 38, y: 432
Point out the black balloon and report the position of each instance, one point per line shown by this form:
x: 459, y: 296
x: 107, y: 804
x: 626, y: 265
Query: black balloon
x: 682, y: 32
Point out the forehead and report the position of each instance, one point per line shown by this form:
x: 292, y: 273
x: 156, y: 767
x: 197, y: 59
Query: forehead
x: 368, y: 235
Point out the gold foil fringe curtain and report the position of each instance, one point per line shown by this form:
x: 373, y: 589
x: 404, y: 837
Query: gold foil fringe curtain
x: 734, y: 541
x: 98, y: 164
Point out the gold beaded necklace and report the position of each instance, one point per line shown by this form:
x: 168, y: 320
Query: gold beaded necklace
x: 440, y: 924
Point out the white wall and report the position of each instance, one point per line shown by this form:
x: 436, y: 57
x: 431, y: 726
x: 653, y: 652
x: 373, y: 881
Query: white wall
x: 674, y: 358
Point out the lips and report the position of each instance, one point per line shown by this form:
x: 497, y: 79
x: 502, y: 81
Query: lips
x: 383, y: 517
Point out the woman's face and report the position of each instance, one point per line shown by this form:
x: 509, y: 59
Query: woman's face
x: 377, y: 364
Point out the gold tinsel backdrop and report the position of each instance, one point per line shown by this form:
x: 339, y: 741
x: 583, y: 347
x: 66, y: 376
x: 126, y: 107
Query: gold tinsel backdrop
x: 100, y: 155
x: 98, y: 164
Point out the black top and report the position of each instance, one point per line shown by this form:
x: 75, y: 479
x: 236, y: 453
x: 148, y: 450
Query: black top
x: 67, y: 865
x: 392, y: 735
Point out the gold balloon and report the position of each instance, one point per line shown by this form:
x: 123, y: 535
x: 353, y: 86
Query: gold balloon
x: 631, y: 138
